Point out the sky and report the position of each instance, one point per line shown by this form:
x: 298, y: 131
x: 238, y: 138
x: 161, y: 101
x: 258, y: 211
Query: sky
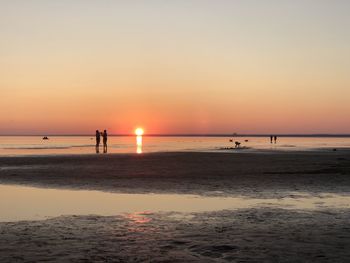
x: 184, y: 66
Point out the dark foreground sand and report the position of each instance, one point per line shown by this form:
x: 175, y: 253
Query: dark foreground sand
x: 254, y: 235
x: 252, y: 174
x: 248, y: 235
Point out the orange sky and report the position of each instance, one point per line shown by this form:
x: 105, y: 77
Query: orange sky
x: 70, y: 67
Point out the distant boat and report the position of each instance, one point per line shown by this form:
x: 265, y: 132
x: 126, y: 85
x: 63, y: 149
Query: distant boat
x: 45, y: 138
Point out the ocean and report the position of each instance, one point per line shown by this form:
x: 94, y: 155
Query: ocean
x: 56, y: 145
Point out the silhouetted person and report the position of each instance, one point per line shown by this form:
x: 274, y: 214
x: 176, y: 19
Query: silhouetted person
x: 275, y: 138
x: 98, y: 140
x: 271, y: 137
x: 104, y: 136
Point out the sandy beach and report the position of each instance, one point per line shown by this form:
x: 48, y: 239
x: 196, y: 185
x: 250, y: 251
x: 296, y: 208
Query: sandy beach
x: 254, y: 235
x: 268, y: 174
x: 243, y: 235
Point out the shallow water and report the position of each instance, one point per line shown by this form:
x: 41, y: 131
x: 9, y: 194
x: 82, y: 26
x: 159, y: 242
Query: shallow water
x: 34, y: 145
x: 30, y: 203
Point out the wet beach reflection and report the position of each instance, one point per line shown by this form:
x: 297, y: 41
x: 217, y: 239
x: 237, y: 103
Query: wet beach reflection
x: 30, y: 203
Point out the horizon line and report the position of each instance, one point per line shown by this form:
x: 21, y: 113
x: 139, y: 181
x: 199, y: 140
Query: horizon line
x: 202, y: 135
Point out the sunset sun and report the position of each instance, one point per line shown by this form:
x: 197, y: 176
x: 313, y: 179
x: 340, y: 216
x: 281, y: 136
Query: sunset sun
x: 139, y: 131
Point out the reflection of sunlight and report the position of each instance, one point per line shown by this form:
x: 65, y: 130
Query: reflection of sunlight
x: 139, y: 222
x: 139, y: 144
x: 139, y: 217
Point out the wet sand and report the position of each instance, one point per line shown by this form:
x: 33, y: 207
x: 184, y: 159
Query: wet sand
x: 254, y: 235
x: 262, y: 234
x: 252, y: 174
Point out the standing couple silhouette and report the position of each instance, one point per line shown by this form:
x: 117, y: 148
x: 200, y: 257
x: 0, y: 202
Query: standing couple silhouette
x: 98, y: 140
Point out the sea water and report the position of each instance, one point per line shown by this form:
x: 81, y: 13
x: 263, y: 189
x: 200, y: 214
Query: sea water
x: 35, y: 145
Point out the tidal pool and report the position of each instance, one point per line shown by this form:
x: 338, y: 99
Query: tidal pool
x: 31, y: 203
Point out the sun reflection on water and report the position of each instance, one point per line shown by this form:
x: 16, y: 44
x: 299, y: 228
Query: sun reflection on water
x: 139, y: 222
x: 139, y: 217
x: 138, y: 144
x: 139, y: 132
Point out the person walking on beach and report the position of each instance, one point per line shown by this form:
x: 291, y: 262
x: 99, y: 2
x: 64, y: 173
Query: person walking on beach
x: 275, y: 138
x: 104, y: 136
x: 98, y: 140
x: 271, y: 138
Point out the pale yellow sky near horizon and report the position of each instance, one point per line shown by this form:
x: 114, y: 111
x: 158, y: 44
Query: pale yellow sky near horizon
x: 174, y: 66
